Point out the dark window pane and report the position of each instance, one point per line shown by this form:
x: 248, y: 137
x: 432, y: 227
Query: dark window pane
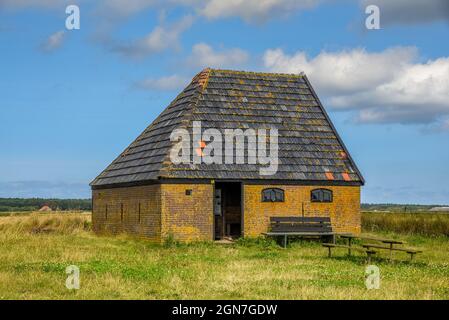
x: 273, y: 195
x: 316, y: 195
x: 327, y: 196
x: 321, y: 195
x: 279, y: 195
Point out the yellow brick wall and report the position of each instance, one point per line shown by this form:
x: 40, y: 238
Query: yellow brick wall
x: 187, y: 218
x: 344, y: 211
x: 166, y: 210
x: 116, y: 220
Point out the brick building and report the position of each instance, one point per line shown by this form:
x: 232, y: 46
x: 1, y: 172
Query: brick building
x: 143, y: 192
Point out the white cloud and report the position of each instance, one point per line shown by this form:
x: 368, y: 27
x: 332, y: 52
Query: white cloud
x: 54, y: 41
x: 162, y: 37
x: 410, y: 11
x: 254, y: 10
x: 346, y: 71
x: 173, y: 82
x: 381, y: 87
x: 204, y: 55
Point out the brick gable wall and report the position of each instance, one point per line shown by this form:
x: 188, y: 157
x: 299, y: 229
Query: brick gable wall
x: 117, y: 211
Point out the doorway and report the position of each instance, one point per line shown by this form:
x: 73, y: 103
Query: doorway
x: 227, y: 210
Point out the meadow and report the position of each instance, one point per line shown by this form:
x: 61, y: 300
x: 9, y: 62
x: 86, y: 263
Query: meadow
x: 419, y: 223
x: 35, y: 250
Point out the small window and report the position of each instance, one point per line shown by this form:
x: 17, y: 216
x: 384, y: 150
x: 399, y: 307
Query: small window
x: 321, y: 195
x: 188, y: 192
x: 273, y: 195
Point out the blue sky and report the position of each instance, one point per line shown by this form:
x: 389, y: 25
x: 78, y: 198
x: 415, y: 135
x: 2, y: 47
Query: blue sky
x: 72, y: 100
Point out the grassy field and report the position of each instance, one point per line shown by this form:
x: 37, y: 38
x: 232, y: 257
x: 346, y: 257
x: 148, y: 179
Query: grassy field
x: 422, y: 223
x: 36, y: 249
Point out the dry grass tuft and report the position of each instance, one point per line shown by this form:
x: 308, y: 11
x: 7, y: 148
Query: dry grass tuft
x: 424, y: 224
x: 37, y: 223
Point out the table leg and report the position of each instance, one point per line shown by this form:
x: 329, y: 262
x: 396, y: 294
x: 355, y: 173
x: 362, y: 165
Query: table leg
x: 391, y: 251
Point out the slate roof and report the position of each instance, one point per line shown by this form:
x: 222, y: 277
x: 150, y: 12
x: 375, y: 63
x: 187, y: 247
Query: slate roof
x: 309, y: 146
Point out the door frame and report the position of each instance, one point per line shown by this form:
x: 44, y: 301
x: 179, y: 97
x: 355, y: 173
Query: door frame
x: 242, y: 190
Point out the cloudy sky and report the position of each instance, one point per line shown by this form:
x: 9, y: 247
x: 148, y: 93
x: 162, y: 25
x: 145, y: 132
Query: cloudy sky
x: 71, y: 100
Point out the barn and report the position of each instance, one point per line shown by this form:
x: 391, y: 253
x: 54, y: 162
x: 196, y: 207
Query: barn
x: 45, y: 208
x: 278, y: 155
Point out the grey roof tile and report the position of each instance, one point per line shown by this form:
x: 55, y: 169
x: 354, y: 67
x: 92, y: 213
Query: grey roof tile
x: 309, y: 146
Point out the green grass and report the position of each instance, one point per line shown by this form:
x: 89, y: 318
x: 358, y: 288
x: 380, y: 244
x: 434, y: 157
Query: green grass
x: 32, y: 266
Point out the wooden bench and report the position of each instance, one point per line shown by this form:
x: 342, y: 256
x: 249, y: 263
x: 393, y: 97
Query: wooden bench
x: 368, y: 251
x: 301, y: 227
x: 410, y: 251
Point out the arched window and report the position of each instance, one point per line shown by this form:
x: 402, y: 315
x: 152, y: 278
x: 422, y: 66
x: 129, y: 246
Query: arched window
x: 321, y: 195
x: 273, y: 195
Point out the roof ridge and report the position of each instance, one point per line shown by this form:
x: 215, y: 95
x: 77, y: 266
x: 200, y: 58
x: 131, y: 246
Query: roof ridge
x: 296, y: 75
x: 202, y: 78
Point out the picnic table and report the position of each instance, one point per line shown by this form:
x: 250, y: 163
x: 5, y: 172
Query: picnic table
x: 388, y: 244
x: 369, y: 252
x: 410, y: 251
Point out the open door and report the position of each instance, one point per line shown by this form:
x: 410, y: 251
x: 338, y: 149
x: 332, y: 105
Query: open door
x: 228, y: 210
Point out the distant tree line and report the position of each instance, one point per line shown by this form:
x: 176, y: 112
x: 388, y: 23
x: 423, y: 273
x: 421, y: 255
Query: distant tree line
x: 19, y: 204
x: 397, y: 207
x: 32, y: 204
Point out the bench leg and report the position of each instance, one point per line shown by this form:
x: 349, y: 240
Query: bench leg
x: 369, y: 257
x: 412, y: 255
x: 329, y: 254
x: 285, y: 241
